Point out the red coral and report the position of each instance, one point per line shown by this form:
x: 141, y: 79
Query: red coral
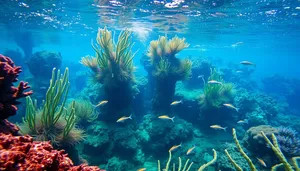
x: 9, y: 94
x: 22, y: 153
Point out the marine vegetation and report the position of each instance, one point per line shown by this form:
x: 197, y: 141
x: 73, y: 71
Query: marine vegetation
x: 215, y: 95
x: 166, y: 70
x: 84, y: 112
x: 187, y: 166
x: 113, y: 68
x: 273, y: 145
x: 52, y: 121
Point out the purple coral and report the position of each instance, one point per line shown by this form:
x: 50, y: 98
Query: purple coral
x: 288, y: 141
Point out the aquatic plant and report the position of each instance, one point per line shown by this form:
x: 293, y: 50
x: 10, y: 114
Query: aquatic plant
x: 288, y: 141
x: 187, y: 166
x: 113, y: 62
x: 52, y: 121
x: 113, y: 68
x: 215, y: 95
x: 84, y: 111
x: 166, y: 70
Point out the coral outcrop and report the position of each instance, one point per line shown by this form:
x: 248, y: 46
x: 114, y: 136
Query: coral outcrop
x: 165, y: 70
x: 9, y: 94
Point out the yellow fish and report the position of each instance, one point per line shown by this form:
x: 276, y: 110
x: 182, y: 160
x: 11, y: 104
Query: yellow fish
x: 141, y: 169
x: 218, y: 127
x: 166, y: 117
x: 103, y: 102
x: 190, y: 150
x: 231, y: 106
x: 124, y: 118
x: 245, y: 121
x: 175, y: 147
x: 261, y: 162
x: 176, y: 103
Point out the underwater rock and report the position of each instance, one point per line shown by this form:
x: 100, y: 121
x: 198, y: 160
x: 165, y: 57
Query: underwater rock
x: 41, y: 63
x: 116, y: 164
x: 254, y: 141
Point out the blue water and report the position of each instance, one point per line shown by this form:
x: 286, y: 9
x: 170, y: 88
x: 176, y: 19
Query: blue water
x: 265, y: 32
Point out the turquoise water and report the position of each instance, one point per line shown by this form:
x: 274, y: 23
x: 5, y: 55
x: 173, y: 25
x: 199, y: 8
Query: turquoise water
x: 222, y: 32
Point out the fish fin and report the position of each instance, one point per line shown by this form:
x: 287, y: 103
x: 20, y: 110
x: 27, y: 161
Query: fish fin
x: 130, y: 117
x: 181, y: 101
x: 225, y: 129
x: 246, y: 121
x: 237, y: 110
x: 173, y: 119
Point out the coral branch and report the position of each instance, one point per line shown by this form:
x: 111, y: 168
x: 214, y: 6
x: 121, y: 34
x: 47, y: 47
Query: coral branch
x: 9, y: 94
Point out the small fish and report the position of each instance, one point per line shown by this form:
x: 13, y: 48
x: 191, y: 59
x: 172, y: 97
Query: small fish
x: 141, y: 169
x: 190, y: 150
x: 214, y: 82
x: 239, y: 72
x: 103, y: 102
x: 247, y: 63
x: 124, y: 118
x: 200, y: 76
x: 43, y: 88
x: 175, y: 147
x: 245, y: 121
x: 166, y: 117
x: 176, y: 103
x: 218, y: 127
x: 231, y: 106
x: 261, y: 162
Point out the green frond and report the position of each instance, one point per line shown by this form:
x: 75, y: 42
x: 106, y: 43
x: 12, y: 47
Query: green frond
x: 185, y: 69
x: 162, y: 69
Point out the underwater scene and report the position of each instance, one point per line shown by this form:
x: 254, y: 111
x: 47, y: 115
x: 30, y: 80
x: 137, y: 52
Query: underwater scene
x: 150, y: 85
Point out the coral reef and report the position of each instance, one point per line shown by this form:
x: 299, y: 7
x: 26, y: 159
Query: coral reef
x: 113, y: 68
x: 9, y: 94
x: 166, y: 70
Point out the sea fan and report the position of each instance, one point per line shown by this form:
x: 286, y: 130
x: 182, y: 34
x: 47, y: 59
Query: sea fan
x: 288, y: 141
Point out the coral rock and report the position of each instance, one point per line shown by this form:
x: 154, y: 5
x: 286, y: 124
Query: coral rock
x: 10, y: 94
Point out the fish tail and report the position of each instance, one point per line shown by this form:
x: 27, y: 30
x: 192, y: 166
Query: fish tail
x: 237, y: 109
x: 173, y: 119
x: 130, y: 117
x: 225, y: 129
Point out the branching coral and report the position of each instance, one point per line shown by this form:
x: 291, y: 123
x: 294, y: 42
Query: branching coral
x: 215, y: 95
x: 10, y: 94
x: 53, y: 121
x: 166, y: 69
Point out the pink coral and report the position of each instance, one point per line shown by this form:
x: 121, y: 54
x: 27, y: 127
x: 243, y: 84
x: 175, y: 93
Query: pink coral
x: 10, y: 94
